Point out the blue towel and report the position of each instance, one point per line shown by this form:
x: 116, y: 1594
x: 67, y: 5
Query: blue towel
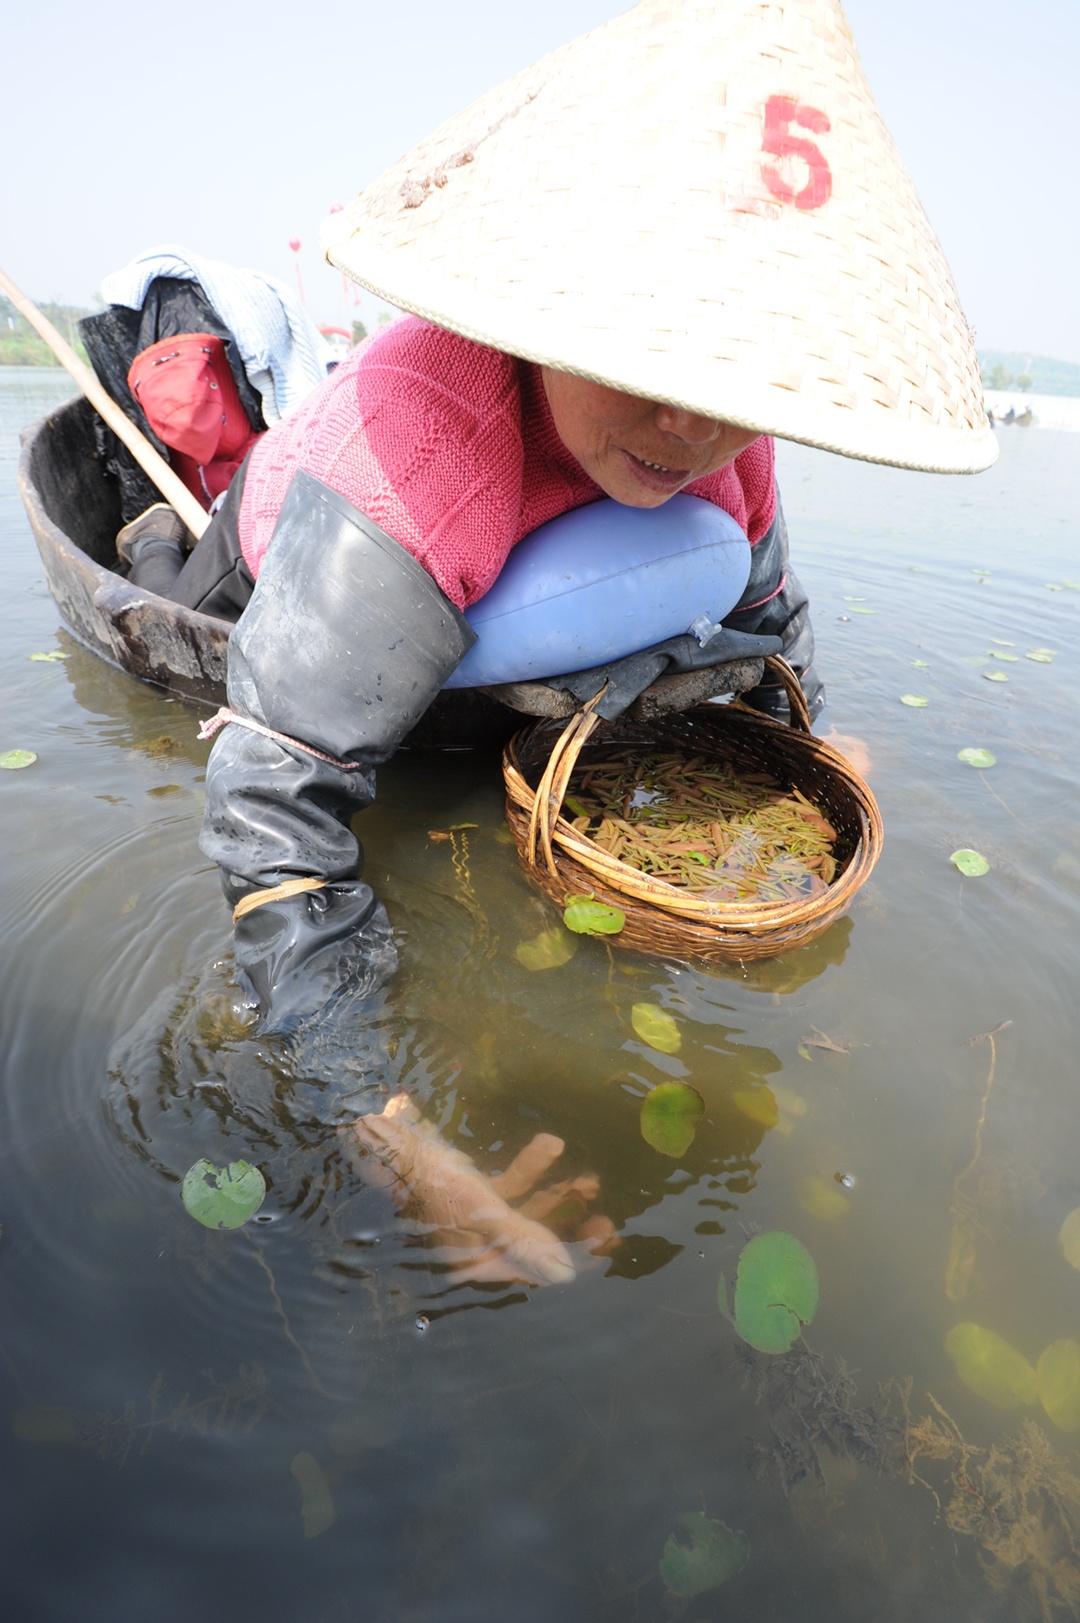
x: 283, y: 352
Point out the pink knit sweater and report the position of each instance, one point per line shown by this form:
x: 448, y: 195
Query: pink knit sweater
x: 451, y: 448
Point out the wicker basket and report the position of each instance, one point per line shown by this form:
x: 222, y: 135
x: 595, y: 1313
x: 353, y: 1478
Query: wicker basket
x: 662, y: 918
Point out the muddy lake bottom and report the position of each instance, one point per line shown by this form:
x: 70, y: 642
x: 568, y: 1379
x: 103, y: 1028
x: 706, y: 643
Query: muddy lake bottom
x: 310, y: 1416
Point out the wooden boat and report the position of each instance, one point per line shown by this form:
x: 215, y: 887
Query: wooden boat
x: 74, y: 511
x: 74, y: 508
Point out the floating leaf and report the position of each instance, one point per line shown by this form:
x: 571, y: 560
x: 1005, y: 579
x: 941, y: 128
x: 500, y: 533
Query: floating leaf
x: 860, y: 608
x: 1058, y: 1372
x: 804, y: 1053
x: 49, y: 659
x: 656, y: 1027
x: 1002, y: 642
x: 919, y: 665
x: 701, y: 1554
x: 848, y: 599
x: 759, y: 1104
x: 549, y: 950
x: 670, y: 1114
x: 316, y: 1500
x: 995, y: 676
x: 776, y: 1291
x: 997, y: 653
x: 990, y: 1367
x: 971, y: 863
x: 821, y: 1198
x: 976, y: 757
x: 1070, y: 1238
x: 586, y: 917
x: 1041, y: 656
x: 222, y: 1199
x: 914, y: 701
x: 14, y: 759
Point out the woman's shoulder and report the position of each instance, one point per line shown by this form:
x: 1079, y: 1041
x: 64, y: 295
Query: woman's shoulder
x: 444, y: 360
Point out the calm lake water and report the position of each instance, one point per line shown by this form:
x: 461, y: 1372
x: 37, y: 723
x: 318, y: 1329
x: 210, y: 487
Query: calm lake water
x: 305, y: 1418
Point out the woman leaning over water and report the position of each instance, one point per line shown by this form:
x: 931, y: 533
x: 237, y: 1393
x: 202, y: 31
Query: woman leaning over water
x: 625, y: 270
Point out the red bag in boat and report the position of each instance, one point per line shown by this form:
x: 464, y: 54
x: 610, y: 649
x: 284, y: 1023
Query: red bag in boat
x: 189, y: 397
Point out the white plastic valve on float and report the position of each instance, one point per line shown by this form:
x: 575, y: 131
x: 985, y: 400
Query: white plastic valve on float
x: 602, y: 582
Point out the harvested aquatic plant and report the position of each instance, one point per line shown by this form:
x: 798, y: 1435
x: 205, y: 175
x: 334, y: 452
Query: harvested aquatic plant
x: 700, y: 824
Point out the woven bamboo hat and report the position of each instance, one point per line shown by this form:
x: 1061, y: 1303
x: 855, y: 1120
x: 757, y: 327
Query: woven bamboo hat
x: 699, y: 203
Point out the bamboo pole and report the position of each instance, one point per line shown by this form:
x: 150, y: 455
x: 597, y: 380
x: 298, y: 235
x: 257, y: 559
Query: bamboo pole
x: 153, y: 465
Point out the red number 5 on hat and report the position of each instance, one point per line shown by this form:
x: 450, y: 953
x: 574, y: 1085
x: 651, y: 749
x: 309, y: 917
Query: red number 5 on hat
x: 781, y: 112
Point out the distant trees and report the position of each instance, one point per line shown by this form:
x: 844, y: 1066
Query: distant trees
x: 20, y: 344
x: 998, y: 378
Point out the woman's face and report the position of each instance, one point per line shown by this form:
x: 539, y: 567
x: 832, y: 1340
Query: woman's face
x: 638, y: 451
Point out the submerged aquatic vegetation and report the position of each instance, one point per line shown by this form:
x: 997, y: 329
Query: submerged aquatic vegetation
x: 705, y: 826
x: 1018, y: 1499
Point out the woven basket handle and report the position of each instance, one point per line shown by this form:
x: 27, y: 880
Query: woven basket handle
x: 547, y: 802
x: 800, y: 714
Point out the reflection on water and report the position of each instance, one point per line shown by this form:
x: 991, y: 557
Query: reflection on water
x: 309, y: 1413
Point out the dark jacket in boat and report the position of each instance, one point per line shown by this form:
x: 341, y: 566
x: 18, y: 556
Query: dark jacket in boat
x: 115, y: 337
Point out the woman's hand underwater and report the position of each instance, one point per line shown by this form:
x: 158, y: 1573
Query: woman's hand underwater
x: 544, y: 1240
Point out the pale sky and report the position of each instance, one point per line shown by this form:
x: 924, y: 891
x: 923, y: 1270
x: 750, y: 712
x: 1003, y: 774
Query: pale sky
x: 231, y: 127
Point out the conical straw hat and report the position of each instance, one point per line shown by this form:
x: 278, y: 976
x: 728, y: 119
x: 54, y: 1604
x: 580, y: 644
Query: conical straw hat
x: 699, y: 203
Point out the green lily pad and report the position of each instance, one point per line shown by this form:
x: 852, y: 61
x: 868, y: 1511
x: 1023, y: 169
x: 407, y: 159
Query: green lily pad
x: 12, y: 760
x: 776, y: 1291
x: 548, y: 950
x: 995, y: 676
x: 861, y: 608
x: 701, y: 1554
x: 1041, y: 656
x: 316, y: 1501
x: 1058, y: 1372
x: 971, y: 863
x: 999, y: 653
x: 222, y: 1198
x: 919, y: 665
x: 670, y: 1114
x: 1069, y: 1238
x: 587, y: 917
x: 914, y: 701
x: 656, y: 1027
x: 976, y: 757
x: 991, y: 1367
x: 1002, y: 642
x: 49, y: 659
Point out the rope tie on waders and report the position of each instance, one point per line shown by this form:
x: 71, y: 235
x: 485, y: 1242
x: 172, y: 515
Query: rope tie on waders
x: 291, y: 887
x: 278, y: 893
x: 225, y: 717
